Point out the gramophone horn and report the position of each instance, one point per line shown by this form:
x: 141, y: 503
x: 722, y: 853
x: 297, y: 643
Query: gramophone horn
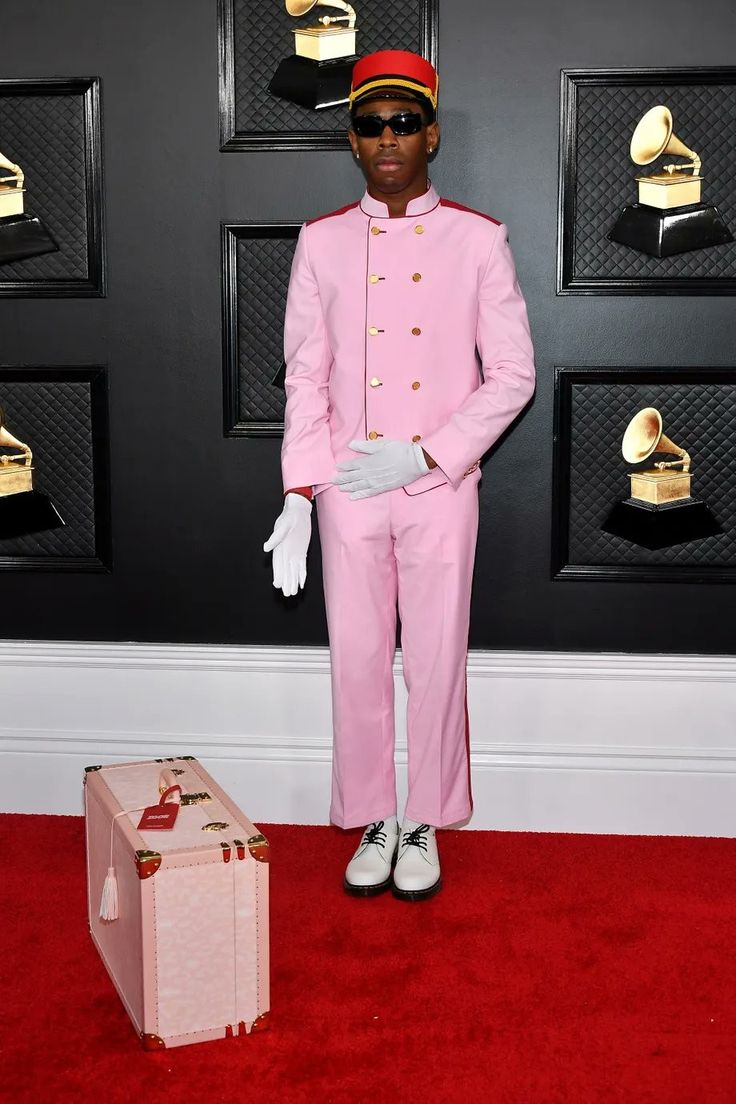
x: 653, y: 135
x: 644, y: 436
x: 300, y: 7
x: 641, y: 436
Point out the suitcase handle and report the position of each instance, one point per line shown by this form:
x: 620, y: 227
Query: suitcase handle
x: 175, y: 800
x: 167, y: 779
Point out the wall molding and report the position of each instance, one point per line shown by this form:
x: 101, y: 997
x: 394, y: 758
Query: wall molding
x: 488, y: 664
x: 560, y: 741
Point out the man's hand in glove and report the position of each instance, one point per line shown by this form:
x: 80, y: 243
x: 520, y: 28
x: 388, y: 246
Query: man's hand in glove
x: 289, y: 542
x: 385, y: 466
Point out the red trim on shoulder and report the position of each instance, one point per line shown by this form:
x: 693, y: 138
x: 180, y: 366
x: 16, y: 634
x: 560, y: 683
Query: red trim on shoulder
x: 331, y: 214
x: 472, y: 210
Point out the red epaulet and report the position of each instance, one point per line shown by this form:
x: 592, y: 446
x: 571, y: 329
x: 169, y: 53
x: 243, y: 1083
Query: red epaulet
x: 331, y: 214
x: 472, y: 210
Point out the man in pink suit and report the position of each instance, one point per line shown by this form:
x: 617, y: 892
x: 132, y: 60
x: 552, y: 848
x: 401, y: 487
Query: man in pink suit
x: 389, y: 410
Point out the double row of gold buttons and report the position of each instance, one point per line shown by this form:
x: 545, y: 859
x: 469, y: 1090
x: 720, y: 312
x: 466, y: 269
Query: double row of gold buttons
x: 373, y: 435
x: 418, y: 229
x: 373, y: 330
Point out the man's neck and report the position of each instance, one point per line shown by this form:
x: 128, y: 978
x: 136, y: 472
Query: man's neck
x: 398, y: 202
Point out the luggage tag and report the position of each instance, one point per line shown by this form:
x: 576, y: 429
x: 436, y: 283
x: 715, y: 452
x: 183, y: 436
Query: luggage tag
x: 163, y: 815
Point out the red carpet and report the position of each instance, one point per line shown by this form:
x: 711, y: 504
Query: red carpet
x: 551, y: 969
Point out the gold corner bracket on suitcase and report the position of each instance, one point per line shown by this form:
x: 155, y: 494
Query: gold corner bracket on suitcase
x: 152, y: 1042
x: 260, y: 1023
x: 259, y: 849
x: 147, y: 863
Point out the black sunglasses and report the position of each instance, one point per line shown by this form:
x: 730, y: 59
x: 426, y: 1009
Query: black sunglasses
x: 403, y: 123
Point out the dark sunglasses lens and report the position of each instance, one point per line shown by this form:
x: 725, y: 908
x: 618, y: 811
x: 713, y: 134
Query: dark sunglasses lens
x: 368, y: 126
x: 371, y: 126
x: 408, y: 122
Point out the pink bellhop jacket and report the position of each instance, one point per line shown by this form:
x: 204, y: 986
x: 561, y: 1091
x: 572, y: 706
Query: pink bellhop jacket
x: 383, y: 319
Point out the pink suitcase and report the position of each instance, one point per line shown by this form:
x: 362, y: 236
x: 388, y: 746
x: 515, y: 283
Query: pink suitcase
x: 188, y: 951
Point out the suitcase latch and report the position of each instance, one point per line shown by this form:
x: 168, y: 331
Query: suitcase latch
x: 194, y: 798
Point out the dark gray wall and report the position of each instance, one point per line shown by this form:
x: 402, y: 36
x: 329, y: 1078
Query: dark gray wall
x: 192, y: 509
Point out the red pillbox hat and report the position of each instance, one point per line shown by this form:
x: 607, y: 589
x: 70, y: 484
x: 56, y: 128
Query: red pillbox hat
x: 398, y: 71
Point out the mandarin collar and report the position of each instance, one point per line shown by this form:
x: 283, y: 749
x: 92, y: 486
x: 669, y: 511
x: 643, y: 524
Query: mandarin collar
x: 419, y: 206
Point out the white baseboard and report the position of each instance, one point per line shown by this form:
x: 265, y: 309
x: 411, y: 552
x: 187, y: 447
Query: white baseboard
x: 561, y: 742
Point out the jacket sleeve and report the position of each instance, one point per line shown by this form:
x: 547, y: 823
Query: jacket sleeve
x: 507, y: 360
x: 306, y: 452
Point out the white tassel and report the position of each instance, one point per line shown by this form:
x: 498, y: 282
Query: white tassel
x: 109, y: 902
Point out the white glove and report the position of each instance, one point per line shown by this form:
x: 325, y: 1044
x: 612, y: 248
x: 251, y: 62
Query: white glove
x: 386, y: 466
x: 290, y: 541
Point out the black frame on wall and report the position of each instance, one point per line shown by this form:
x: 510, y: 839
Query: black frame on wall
x: 96, y: 377
x: 235, y: 134
x: 564, y: 432
x: 235, y: 425
x: 88, y: 153
x: 667, y: 282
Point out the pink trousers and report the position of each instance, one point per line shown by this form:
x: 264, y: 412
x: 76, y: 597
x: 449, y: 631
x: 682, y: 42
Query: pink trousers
x: 417, y: 550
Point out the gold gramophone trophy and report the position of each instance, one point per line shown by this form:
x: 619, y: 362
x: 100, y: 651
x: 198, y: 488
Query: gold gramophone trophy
x: 669, y: 217
x: 660, y: 510
x: 22, y: 510
x: 318, y: 74
x: 20, y: 235
x: 662, y: 483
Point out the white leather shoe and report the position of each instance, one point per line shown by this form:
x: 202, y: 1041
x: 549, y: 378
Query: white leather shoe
x: 369, y: 870
x: 417, y: 870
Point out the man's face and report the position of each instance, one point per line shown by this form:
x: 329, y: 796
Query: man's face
x: 393, y: 162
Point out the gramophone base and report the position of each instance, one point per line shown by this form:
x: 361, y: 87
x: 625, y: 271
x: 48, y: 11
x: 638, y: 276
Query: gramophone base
x: 656, y: 527
x: 313, y: 84
x: 22, y: 236
x: 664, y: 233
x: 27, y: 512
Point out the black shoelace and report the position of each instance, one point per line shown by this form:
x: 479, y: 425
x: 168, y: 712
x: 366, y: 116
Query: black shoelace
x: 417, y: 837
x: 375, y: 834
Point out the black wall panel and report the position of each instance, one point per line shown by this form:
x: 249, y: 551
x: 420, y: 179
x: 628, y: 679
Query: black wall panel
x: 190, y: 507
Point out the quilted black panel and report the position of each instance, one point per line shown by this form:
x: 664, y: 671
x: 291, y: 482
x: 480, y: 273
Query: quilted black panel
x: 265, y: 36
x: 699, y: 417
x: 704, y: 119
x: 263, y: 267
x: 45, y: 135
x: 55, y: 419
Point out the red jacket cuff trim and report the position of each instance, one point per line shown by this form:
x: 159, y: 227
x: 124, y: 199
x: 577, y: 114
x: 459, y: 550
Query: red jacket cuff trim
x: 306, y: 491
